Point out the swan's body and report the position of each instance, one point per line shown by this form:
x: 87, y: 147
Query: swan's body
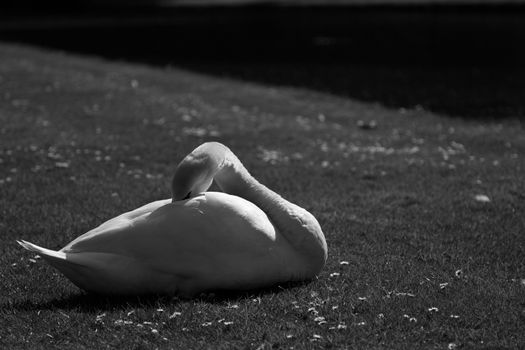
x: 247, y: 238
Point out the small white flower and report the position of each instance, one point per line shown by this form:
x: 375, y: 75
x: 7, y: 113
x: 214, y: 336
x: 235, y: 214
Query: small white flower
x: 313, y: 310
x: 343, y: 263
x: 335, y: 274
x: 482, y: 198
x: 433, y: 309
x: 410, y: 318
x: 316, y: 337
x: 320, y: 320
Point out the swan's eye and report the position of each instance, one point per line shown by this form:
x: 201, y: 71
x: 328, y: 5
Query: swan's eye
x: 187, y: 196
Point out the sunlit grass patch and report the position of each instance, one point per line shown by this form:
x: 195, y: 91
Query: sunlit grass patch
x: 422, y: 213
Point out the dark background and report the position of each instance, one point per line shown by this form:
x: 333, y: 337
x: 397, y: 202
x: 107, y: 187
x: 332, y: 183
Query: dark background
x: 462, y: 60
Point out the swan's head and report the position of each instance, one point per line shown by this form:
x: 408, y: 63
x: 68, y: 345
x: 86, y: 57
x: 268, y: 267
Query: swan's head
x: 196, y: 171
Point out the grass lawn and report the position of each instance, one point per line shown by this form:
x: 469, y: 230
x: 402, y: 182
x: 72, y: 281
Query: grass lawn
x: 423, y: 214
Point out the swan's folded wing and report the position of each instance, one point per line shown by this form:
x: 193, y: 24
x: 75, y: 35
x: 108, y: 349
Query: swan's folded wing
x: 163, y: 230
x: 97, y: 237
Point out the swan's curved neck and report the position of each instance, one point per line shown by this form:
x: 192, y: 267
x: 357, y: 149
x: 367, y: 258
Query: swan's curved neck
x: 298, y: 226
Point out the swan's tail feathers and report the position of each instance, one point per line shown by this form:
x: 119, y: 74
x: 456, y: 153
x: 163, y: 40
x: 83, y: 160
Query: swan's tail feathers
x: 56, y: 259
x: 48, y: 254
x: 104, y: 273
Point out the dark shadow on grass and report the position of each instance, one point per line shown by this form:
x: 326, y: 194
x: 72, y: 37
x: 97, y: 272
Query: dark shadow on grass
x: 88, y: 302
x: 458, y: 61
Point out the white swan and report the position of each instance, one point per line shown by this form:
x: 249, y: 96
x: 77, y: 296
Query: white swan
x: 245, y: 237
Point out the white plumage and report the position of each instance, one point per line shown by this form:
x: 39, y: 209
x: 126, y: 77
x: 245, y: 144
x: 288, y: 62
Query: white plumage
x: 245, y: 237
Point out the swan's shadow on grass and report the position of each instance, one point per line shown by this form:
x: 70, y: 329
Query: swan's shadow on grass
x: 88, y: 302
